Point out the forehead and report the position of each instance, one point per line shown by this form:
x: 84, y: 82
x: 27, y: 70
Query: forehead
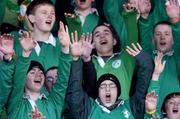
x: 107, y: 82
x: 175, y: 98
x: 162, y: 28
x: 102, y: 29
x: 52, y: 72
x: 35, y: 69
x: 44, y: 7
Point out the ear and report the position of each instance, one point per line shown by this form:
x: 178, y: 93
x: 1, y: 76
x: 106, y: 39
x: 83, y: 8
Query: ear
x: 114, y: 41
x: 31, y: 18
x: 93, y: 46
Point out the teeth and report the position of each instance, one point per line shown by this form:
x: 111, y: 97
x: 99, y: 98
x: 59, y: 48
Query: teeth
x: 37, y: 81
x: 108, y: 95
x: 103, y: 42
x: 175, y: 111
x: 48, y: 22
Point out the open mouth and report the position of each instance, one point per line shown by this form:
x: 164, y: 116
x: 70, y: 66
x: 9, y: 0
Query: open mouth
x: 37, y: 82
x: 175, y: 111
x: 103, y: 42
x: 82, y: 0
x: 108, y: 98
x: 162, y: 43
x: 48, y: 22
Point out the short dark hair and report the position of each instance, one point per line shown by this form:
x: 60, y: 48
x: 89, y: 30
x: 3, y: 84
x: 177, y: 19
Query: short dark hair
x: 117, y: 47
x: 51, y: 68
x: 35, y: 4
x: 34, y: 64
x: 161, y: 23
x: 168, y: 97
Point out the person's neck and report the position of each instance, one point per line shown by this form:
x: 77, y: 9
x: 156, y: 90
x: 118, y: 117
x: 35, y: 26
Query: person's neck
x: 85, y: 12
x: 33, y: 95
x: 145, y: 15
x: 40, y: 36
x: 105, y: 54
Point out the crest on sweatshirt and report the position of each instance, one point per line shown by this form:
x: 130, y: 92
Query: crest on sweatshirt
x: 116, y: 64
x: 126, y: 113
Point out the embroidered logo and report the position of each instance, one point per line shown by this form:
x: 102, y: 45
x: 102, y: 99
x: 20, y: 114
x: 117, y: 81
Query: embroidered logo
x: 116, y: 64
x: 126, y: 113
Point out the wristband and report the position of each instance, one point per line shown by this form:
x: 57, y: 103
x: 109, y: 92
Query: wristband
x: 176, y: 19
x: 151, y: 112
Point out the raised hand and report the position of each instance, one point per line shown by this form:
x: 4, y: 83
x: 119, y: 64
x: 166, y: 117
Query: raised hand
x: 64, y: 38
x: 159, y: 66
x: 150, y: 104
x: 87, y: 48
x: 173, y: 10
x: 76, y: 46
x: 130, y: 6
x: 135, y: 50
x: 27, y: 43
x: 35, y: 114
x: 7, y: 44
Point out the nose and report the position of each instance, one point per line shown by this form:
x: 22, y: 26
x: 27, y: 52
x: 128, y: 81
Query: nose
x: 107, y: 88
x: 101, y: 35
x: 162, y: 37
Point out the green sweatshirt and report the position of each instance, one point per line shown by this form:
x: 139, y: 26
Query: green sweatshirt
x: 146, y: 26
x: 121, y: 64
x: 122, y: 111
x: 49, y: 105
x: 112, y: 12
x: 170, y: 76
x: 168, y: 80
x: 9, y: 12
x: 74, y: 24
x: 49, y: 54
x: 6, y: 74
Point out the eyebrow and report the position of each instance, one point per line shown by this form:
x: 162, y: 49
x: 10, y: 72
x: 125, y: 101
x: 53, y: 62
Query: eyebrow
x: 106, y: 30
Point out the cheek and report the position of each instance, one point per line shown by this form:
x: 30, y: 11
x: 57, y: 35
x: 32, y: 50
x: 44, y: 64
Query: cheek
x: 101, y: 93
x: 168, y: 108
x: 39, y: 20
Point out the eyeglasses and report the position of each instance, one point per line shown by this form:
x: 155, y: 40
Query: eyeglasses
x: 104, y: 86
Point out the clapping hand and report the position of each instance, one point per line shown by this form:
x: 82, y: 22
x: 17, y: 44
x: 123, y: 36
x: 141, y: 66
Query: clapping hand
x: 7, y: 45
x: 35, y: 114
x: 64, y: 38
x: 173, y: 10
x: 27, y: 43
x: 159, y: 66
x: 135, y: 50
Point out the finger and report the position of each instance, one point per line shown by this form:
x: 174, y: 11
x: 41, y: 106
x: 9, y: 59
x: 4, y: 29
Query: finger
x: 26, y: 34
x: 131, y: 50
x: 82, y: 39
x: 163, y: 64
x: 30, y: 34
x: 90, y: 38
x: 66, y: 29
x: 76, y: 36
x: 35, y: 109
x: 34, y: 43
x: 72, y: 37
x: 61, y: 26
x: 87, y: 37
x: 174, y: 2
x: 139, y: 46
x: 135, y: 48
x: 155, y: 60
